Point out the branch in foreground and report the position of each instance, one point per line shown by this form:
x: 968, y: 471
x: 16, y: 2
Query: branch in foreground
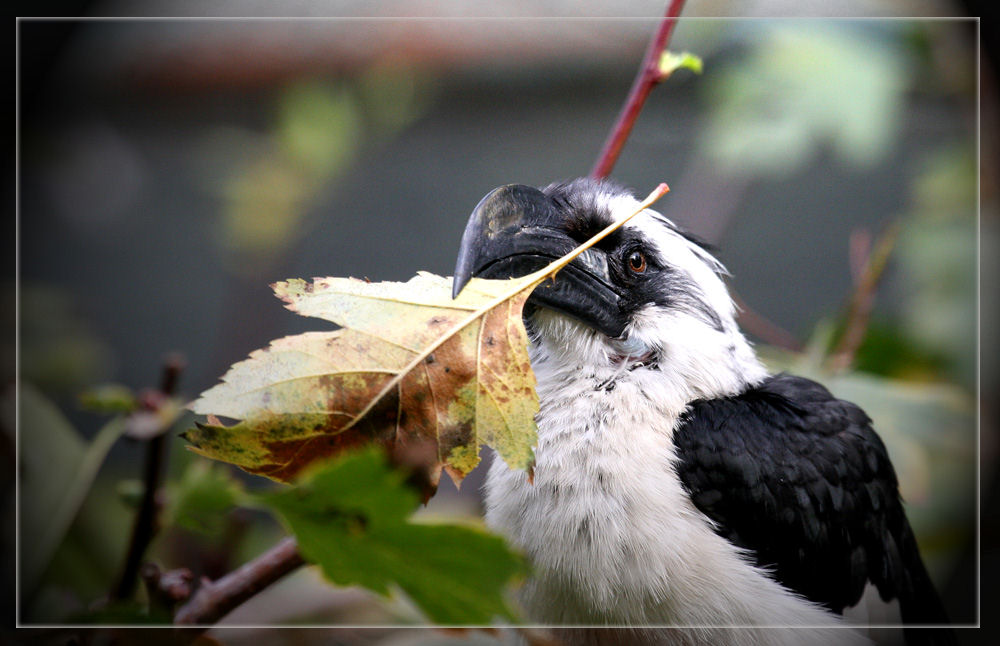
x: 215, y: 599
x: 166, y: 589
x: 648, y: 76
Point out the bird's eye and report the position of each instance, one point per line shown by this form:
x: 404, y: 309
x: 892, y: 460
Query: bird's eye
x: 636, y: 262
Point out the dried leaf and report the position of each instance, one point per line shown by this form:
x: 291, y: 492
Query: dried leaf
x: 409, y: 365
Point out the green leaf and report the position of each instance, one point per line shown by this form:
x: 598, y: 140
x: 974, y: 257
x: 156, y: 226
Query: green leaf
x: 202, y: 498
x: 130, y: 492
x: 57, y: 470
x: 671, y: 62
x: 108, y: 398
x: 59, y: 350
x: 123, y: 613
x: 350, y: 517
x: 802, y: 90
x: 320, y: 126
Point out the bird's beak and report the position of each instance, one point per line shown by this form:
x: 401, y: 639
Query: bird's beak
x: 516, y: 230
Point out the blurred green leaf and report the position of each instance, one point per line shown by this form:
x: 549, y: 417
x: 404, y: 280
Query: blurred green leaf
x: 59, y: 352
x: 87, y: 559
x: 946, y: 187
x: 319, y: 127
x: 123, y: 613
x: 802, y: 87
x: 394, y: 95
x: 263, y: 211
x: 130, y: 492
x: 317, y: 135
x: 202, y: 499
x: 350, y: 517
x: 50, y: 453
x: 888, y: 351
x: 108, y: 398
x: 57, y: 470
x: 937, y: 258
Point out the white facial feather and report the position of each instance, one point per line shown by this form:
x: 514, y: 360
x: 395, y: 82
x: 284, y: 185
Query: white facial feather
x: 613, y: 537
x: 699, y: 360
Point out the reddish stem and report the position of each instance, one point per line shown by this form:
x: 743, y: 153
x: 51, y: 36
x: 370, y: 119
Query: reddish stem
x: 863, y: 300
x: 214, y: 599
x: 763, y: 328
x: 648, y: 76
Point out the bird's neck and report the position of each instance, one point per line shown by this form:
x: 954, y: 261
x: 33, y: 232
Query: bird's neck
x: 668, y: 369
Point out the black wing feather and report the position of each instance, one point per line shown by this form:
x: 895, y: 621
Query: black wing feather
x: 801, y: 480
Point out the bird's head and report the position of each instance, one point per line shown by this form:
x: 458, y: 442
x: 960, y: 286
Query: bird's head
x: 647, y: 296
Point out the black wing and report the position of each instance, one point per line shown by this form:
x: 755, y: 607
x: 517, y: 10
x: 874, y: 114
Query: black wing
x: 801, y: 480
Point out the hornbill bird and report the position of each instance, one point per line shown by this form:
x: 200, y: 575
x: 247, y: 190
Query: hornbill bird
x: 676, y: 482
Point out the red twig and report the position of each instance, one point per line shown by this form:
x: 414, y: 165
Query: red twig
x: 649, y: 75
x: 763, y: 328
x: 863, y: 300
x: 215, y: 599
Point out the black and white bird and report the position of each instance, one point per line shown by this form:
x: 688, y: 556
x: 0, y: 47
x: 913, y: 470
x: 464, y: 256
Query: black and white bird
x: 676, y: 482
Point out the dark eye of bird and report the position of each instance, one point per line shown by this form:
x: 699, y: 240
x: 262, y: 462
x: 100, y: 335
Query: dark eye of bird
x: 636, y: 261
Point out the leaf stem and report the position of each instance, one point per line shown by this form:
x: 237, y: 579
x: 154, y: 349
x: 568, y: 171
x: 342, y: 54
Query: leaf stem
x: 649, y: 75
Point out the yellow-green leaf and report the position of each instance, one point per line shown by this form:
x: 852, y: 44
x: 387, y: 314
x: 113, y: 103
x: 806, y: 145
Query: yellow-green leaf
x: 671, y: 62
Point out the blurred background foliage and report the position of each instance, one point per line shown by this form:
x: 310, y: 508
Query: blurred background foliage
x: 320, y: 128
x: 171, y: 170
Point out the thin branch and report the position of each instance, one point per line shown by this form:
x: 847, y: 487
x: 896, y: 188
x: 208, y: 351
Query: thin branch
x: 649, y: 75
x: 215, y: 599
x: 863, y: 300
x: 144, y: 528
x: 763, y: 328
x: 859, y: 251
x: 166, y: 589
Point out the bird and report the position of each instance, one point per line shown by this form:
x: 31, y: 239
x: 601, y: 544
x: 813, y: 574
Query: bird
x: 681, y: 493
